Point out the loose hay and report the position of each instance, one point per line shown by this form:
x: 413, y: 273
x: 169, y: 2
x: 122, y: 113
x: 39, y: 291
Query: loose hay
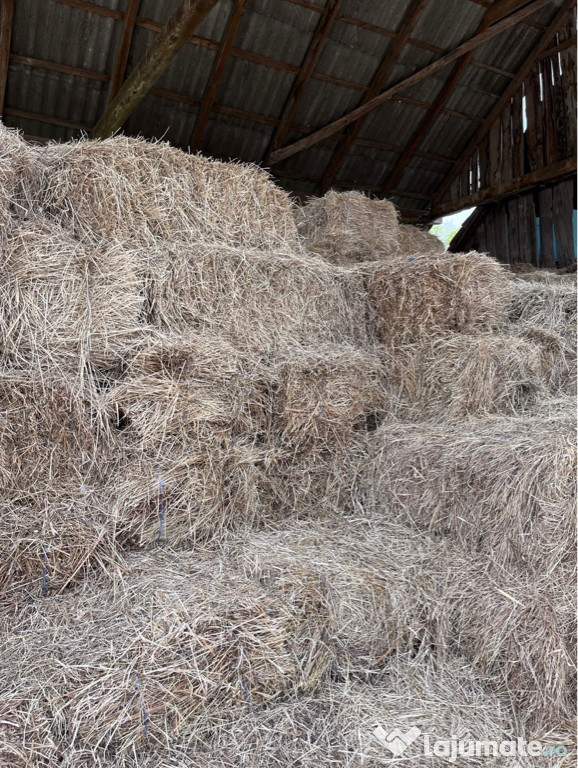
x: 461, y: 374
x: 348, y: 227
x: 551, y: 307
x: 413, y: 240
x: 502, y: 486
x: 136, y: 191
x: 16, y: 159
x: 430, y: 295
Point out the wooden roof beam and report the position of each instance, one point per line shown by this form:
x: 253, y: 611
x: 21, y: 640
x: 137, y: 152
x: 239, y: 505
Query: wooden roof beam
x: 379, y: 82
x: 6, y: 19
x: 433, y: 113
x: 496, y: 111
x: 305, y: 73
x: 170, y: 40
x: 217, y: 73
x: 119, y: 71
x: 422, y: 74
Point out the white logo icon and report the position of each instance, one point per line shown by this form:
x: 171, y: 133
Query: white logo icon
x: 396, y: 741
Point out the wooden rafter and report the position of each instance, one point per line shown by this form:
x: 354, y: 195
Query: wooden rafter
x: 6, y: 19
x: 307, y: 68
x: 119, y: 71
x: 377, y: 85
x: 514, y: 86
x: 170, y: 40
x: 431, y: 116
x: 475, y: 42
x: 519, y: 184
x: 217, y: 73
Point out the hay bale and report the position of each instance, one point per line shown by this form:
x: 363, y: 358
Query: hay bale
x: 183, y: 493
x: 256, y: 299
x: 138, y: 192
x: 463, y: 374
x: 519, y: 628
x: 188, y: 386
x: 429, y: 295
x: 348, y: 227
x: 16, y: 160
x: 48, y: 547
x: 50, y: 442
x: 551, y: 307
x: 502, y: 486
x: 312, y: 481
x: 65, y: 303
x: 558, y: 358
x: 413, y: 240
x: 124, y: 667
x: 328, y: 393
x: 359, y: 585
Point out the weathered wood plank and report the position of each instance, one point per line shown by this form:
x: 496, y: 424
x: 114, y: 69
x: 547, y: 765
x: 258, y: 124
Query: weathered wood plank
x: 534, y: 118
x: 547, y: 256
x: 568, y: 58
x: 563, y: 197
x: 484, y: 155
x: 514, y: 231
x: 517, y: 135
x: 550, y: 143
x: 501, y: 234
x: 6, y: 19
x: 506, y: 120
x: 494, y: 143
x: 518, y: 184
x: 119, y: 71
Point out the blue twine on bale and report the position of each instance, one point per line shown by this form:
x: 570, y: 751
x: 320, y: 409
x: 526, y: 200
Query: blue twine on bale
x: 162, y: 508
x: 45, y: 576
x: 144, y: 711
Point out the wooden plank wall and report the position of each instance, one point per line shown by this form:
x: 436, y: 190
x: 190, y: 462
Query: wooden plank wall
x: 514, y: 146
x: 508, y: 230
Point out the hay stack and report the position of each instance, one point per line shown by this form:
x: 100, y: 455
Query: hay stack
x: 429, y: 295
x: 125, y: 667
x: 463, y: 374
x: 558, y: 358
x: 503, y: 486
x: 348, y: 227
x: 360, y: 586
x: 139, y: 192
x: 65, y: 303
x: 257, y: 299
x: 414, y: 241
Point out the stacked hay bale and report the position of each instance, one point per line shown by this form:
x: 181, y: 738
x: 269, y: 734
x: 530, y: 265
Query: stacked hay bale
x: 242, y: 459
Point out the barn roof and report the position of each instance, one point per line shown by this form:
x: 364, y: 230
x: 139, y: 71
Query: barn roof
x: 259, y: 75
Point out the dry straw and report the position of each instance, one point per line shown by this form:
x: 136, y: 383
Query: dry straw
x: 16, y: 161
x: 414, y: 241
x: 359, y: 586
x: 66, y: 303
x: 461, y: 374
x: 328, y: 393
x: 503, y: 486
x: 139, y: 192
x: 126, y: 667
x: 348, y: 227
x: 430, y: 295
x: 257, y: 299
x: 549, y: 306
